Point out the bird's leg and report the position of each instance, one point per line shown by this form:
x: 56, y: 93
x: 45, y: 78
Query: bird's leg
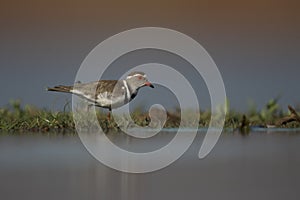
x: 108, y: 119
x: 108, y: 114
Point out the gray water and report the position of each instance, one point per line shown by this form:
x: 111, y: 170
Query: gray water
x: 258, y: 166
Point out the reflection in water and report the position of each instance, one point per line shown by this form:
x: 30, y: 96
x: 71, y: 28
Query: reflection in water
x: 260, y: 166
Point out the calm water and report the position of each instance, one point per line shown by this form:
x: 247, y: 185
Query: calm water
x: 259, y: 166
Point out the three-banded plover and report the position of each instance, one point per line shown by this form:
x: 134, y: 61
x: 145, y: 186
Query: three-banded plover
x: 108, y: 93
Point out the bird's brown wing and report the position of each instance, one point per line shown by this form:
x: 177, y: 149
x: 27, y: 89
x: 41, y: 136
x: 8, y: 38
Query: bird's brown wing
x: 109, y: 91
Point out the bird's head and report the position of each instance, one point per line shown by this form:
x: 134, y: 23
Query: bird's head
x: 138, y: 80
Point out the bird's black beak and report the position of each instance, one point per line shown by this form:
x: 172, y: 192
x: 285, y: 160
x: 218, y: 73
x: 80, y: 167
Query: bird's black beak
x: 149, y: 84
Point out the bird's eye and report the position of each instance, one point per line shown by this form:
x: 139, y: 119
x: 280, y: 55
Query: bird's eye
x: 140, y: 77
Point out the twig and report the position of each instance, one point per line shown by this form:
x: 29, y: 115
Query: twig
x: 293, y: 117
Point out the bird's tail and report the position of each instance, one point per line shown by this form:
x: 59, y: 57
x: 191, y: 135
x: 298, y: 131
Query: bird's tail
x: 61, y: 88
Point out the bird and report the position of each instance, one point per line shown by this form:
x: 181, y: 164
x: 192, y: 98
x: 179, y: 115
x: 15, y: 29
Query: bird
x: 108, y: 94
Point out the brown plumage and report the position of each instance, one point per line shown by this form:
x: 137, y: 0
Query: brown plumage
x: 108, y: 93
x: 61, y: 88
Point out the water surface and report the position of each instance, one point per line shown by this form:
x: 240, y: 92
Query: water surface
x: 259, y: 166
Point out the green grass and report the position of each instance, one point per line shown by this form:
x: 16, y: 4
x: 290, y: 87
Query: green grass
x: 22, y: 119
x: 16, y: 118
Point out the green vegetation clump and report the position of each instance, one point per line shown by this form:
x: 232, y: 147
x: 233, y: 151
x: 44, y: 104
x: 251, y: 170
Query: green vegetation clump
x: 15, y: 118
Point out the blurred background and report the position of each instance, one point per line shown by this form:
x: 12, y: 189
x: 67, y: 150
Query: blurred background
x: 254, y: 43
